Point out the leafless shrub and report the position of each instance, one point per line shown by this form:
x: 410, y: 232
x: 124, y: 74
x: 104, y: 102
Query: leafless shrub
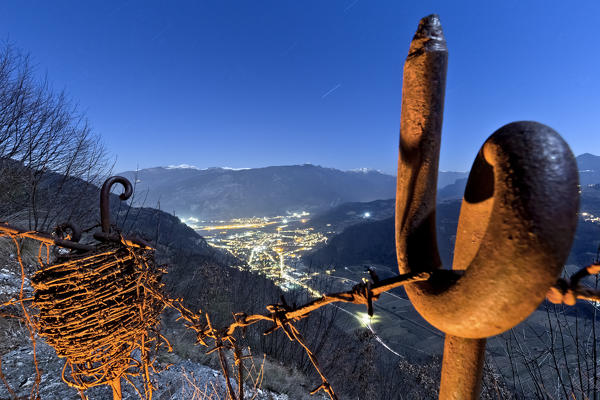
x: 46, y: 148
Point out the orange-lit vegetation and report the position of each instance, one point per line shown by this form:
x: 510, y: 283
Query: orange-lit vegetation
x: 96, y: 310
x: 99, y: 306
x: 100, y: 311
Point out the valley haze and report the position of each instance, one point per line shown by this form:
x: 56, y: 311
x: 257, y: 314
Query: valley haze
x: 221, y: 193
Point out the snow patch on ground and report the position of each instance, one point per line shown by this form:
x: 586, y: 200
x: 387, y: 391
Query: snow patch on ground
x: 182, y: 380
x: 10, y: 284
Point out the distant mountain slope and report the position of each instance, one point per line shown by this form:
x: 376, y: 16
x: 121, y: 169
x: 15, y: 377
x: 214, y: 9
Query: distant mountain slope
x: 589, y: 174
x: 446, y: 178
x: 219, y: 193
x: 344, y: 215
x: 589, y: 169
x: 373, y: 241
x: 453, y: 191
x: 364, y: 243
x: 589, y: 201
x: 339, y: 218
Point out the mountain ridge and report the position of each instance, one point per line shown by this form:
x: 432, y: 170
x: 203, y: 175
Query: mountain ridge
x: 225, y: 193
x: 219, y: 193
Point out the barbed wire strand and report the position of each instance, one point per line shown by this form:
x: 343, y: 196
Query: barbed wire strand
x: 94, y: 310
x: 12, y: 393
x: 567, y: 291
x: 29, y: 323
x: 281, y: 315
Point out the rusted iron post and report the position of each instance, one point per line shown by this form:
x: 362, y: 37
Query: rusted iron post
x: 105, y: 199
x: 462, y: 368
x: 516, y: 225
x: 116, y: 389
x: 423, y: 89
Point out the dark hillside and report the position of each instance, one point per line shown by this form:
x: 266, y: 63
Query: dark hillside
x: 589, y: 169
x: 373, y: 241
x: 218, y: 193
x: 224, y: 193
x: 344, y: 215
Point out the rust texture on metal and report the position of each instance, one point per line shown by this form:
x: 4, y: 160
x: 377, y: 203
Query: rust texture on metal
x: 518, y: 215
x: 462, y: 368
x: 62, y: 231
x: 105, y: 199
x: 96, y: 308
x: 9, y: 230
x: 517, y: 220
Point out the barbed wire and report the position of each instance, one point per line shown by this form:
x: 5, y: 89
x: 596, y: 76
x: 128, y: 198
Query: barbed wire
x: 97, y: 310
x: 567, y: 291
x: 283, y: 316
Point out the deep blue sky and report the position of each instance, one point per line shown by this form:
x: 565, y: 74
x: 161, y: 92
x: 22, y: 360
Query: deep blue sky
x: 256, y: 83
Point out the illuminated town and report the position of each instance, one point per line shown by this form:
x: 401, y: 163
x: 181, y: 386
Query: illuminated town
x: 587, y: 217
x: 272, y: 246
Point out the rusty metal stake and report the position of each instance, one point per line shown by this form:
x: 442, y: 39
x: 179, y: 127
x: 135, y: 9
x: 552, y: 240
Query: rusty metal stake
x: 462, y: 368
x: 105, y: 199
x: 116, y: 389
x: 106, y: 234
x: 517, y: 220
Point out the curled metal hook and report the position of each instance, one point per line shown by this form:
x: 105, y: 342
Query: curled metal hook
x: 105, y: 234
x: 518, y: 215
x: 517, y: 222
x: 105, y: 199
x: 516, y: 226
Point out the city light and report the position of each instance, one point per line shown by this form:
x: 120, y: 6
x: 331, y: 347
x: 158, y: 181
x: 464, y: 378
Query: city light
x: 365, y: 319
x: 270, y: 246
x: 233, y: 226
x: 587, y: 217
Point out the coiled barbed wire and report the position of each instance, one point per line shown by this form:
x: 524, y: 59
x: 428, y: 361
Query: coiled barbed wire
x: 96, y: 310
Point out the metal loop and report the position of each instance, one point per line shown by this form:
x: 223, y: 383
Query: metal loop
x: 518, y: 215
x: 516, y: 226
x: 105, y: 198
x: 61, y: 231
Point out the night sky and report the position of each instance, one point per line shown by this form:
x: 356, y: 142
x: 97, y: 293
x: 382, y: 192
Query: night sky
x: 257, y: 83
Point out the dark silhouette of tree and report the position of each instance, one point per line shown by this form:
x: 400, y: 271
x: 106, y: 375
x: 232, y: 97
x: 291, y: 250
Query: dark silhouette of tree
x: 46, y: 145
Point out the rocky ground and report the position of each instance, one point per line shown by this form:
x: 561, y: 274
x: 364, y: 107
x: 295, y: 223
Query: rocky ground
x: 183, y: 380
